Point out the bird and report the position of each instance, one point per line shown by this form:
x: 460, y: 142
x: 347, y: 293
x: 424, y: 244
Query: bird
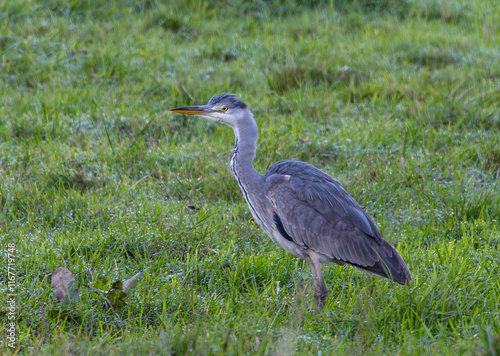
x: 306, y: 211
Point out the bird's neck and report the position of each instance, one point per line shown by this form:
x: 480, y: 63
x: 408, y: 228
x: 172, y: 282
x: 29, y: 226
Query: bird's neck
x: 251, y: 182
x: 245, y: 149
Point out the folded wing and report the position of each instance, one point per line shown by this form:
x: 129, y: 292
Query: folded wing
x: 313, y: 209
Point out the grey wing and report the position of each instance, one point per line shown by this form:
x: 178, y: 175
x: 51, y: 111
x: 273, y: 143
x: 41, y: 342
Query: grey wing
x: 323, y: 193
x: 317, y: 213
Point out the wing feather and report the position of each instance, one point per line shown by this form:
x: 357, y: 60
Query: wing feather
x: 317, y: 213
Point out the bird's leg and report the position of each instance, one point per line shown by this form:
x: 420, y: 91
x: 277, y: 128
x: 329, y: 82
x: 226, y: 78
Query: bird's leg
x: 320, y: 290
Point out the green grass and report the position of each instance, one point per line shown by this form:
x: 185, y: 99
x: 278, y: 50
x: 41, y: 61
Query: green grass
x: 399, y: 100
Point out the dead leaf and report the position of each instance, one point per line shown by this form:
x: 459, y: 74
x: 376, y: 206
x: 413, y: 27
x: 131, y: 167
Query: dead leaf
x: 132, y: 283
x: 64, y: 284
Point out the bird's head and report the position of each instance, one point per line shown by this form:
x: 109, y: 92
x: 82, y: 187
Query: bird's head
x: 226, y: 108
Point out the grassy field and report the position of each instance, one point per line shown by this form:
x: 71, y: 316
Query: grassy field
x: 398, y: 100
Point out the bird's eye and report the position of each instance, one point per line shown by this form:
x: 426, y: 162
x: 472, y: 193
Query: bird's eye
x: 224, y: 108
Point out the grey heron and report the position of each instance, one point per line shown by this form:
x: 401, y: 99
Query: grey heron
x: 307, y: 212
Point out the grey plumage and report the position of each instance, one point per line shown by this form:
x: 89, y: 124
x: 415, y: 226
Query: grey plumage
x: 302, y: 208
x: 326, y: 219
x: 230, y: 99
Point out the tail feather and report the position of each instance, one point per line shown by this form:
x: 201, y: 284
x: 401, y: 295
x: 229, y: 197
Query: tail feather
x: 390, y: 265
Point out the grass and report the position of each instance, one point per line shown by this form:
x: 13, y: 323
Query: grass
x: 399, y: 100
